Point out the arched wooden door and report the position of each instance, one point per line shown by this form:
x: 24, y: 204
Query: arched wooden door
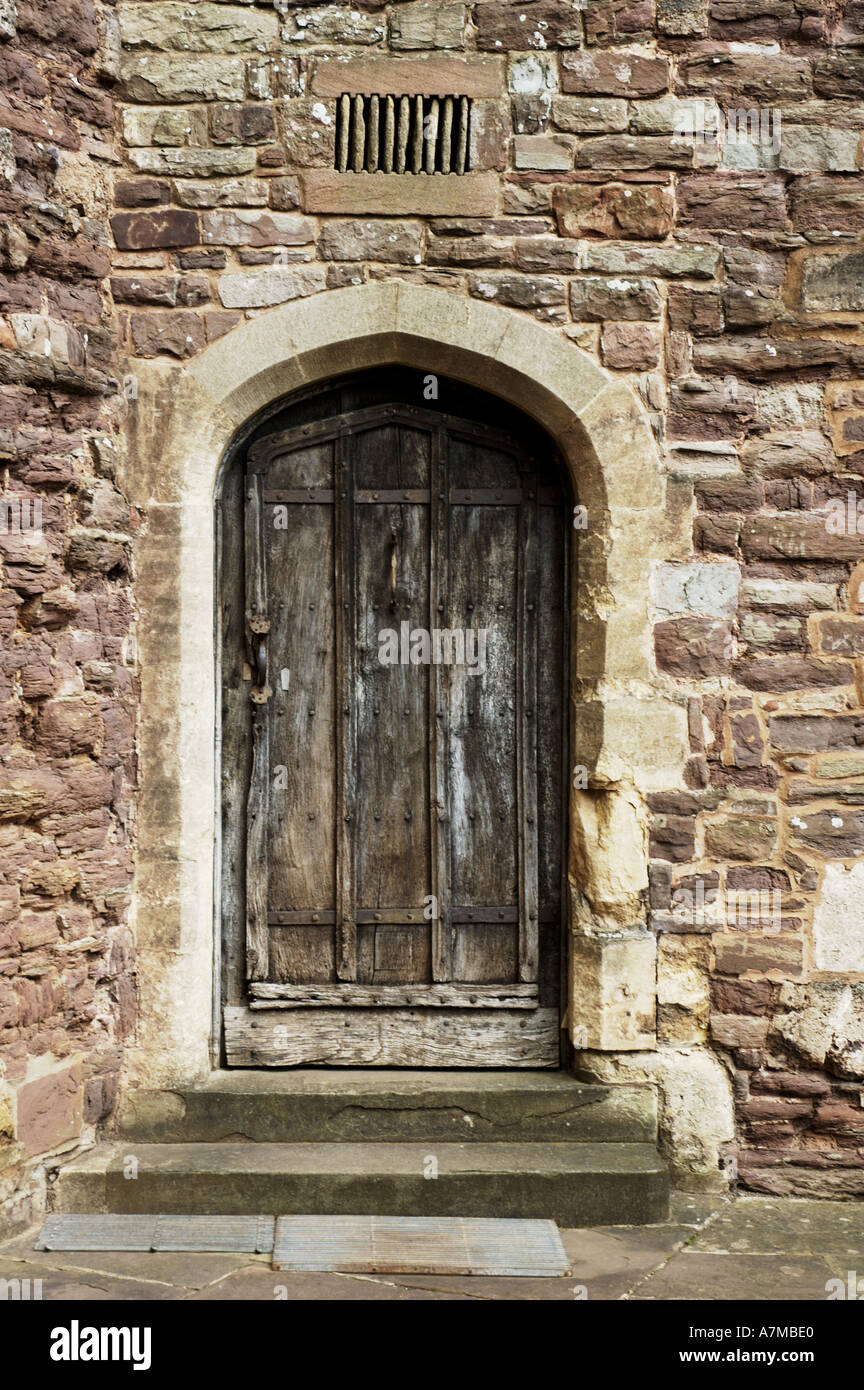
x: 404, y: 615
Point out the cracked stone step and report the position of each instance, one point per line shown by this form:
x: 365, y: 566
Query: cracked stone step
x: 573, y: 1184
x: 391, y: 1107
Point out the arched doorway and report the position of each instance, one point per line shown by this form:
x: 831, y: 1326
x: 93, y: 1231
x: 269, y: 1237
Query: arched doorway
x: 394, y: 611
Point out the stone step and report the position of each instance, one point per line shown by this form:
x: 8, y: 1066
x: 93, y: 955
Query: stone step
x: 573, y: 1184
x: 391, y: 1107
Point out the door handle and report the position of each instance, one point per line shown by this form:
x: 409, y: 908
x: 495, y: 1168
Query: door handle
x: 258, y: 629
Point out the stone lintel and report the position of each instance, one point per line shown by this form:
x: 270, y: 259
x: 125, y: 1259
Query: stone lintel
x: 418, y: 195
x: 437, y: 75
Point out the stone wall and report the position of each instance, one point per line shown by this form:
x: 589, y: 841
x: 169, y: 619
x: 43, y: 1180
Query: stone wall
x: 67, y: 664
x: 672, y: 184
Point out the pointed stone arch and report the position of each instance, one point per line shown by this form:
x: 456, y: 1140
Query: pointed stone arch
x: 629, y: 725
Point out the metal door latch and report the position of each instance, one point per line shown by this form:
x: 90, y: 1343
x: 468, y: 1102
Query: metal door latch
x: 258, y: 630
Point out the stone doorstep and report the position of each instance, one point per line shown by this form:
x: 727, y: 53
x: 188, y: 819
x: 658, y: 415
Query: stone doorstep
x: 571, y: 1184
x: 382, y: 1105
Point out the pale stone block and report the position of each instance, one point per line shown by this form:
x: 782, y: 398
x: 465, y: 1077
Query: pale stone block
x: 543, y: 152
x: 612, y: 991
x: 160, y: 77
x: 609, y: 843
x: 427, y: 26
x: 275, y: 285
x: 816, y: 148
x: 164, y: 125
x: 698, y: 587
x: 532, y: 74
x: 838, y: 920
x: 697, y: 1113
x: 625, y: 448
x: 202, y: 27
x: 243, y: 228
x: 244, y: 193
x: 646, y: 739
x: 193, y: 163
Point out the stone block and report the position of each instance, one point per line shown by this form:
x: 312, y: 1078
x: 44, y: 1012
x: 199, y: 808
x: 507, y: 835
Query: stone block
x: 634, y: 152
x: 489, y: 136
x: 630, y: 347
x: 333, y: 25
x: 544, y: 152
x: 426, y: 26
x: 746, y: 79
x: 164, y: 125
x: 161, y: 77
x: 379, y: 240
x: 242, y: 124
x: 242, y: 228
x: 733, y: 200
x: 838, y: 920
x: 49, y: 1106
x: 819, y: 149
x: 538, y: 24
x: 308, y: 132
x: 778, y: 956
x: 613, y: 991
x: 693, y: 262
x: 427, y: 195
x: 193, y: 163
x: 178, y: 334
x: 520, y: 291
x: 532, y: 74
x: 169, y: 227
x: 643, y: 212
x: 218, y: 193
x: 167, y: 25
x: 469, y: 75
x: 594, y: 298
x: 589, y: 115
x: 833, y: 283
x: 696, y: 587
x: 618, y: 74
x: 276, y: 285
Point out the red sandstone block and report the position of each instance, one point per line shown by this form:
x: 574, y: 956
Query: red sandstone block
x: 50, y: 1110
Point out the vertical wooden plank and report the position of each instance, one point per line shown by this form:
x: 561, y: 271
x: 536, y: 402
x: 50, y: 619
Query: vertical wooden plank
x: 235, y: 750
x: 439, y: 712
x: 527, y: 729
x: 258, y: 803
x: 346, y: 719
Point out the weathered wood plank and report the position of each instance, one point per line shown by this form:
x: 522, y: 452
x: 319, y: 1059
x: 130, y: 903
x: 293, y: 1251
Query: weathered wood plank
x: 274, y: 996
x: 526, y: 704
x: 345, y: 731
x: 392, y: 1037
x: 439, y: 718
x: 258, y: 801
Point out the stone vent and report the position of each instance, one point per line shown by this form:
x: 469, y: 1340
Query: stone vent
x: 402, y: 134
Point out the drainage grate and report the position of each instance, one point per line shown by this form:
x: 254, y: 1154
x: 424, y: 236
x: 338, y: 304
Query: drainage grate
x: 402, y: 135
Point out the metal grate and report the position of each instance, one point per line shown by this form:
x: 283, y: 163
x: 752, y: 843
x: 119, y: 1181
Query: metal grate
x: 402, y: 135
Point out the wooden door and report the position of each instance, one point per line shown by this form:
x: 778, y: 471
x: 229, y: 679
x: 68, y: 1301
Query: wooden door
x: 404, y: 615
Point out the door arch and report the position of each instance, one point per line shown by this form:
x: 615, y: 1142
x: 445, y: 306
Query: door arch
x: 394, y: 638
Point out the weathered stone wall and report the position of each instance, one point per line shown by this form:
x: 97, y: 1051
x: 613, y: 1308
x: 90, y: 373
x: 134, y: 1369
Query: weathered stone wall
x: 675, y: 186
x: 67, y: 663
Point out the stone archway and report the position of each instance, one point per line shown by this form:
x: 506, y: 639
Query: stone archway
x: 629, y: 727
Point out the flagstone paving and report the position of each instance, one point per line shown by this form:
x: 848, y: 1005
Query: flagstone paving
x: 749, y: 1248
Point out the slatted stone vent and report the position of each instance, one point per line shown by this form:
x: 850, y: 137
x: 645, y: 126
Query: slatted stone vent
x: 402, y: 135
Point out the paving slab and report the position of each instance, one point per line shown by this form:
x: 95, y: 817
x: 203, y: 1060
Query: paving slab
x: 695, y: 1276
x: 255, y: 1285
